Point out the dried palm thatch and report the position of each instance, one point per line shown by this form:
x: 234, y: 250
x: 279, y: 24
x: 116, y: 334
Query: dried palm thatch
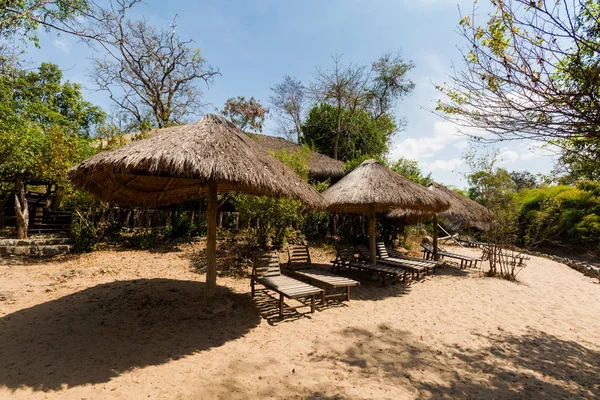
x: 321, y: 166
x: 175, y: 164
x: 185, y: 162
x: 371, y: 187
x: 462, y: 211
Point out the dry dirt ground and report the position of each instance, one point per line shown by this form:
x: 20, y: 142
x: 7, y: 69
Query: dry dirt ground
x: 132, y: 325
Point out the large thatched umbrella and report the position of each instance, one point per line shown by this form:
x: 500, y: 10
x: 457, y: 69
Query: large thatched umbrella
x: 207, y: 157
x: 462, y: 212
x: 372, y: 188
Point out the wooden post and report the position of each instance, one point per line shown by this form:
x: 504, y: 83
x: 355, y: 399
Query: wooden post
x: 211, y: 244
x: 372, y: 239
x: 435, y: 237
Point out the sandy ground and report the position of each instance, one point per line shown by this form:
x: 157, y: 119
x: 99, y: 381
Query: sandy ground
x: 131, y: 325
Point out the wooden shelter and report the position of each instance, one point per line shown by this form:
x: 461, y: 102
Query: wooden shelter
x: 185, y: 162
x: 372, y: 188
x: 462, y: 212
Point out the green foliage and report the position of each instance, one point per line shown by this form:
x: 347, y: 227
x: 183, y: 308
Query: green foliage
x: 84, y: 235
x: 559, y: 214
x: 361, y: 134
x: 273, y: 219
x: 410, y: 169
x: 45, y: 125
x: 182, y: 227
x: 24, y: 18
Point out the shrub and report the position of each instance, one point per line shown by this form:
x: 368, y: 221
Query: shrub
x: 84, y: 235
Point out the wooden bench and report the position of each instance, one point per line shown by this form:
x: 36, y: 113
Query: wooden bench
x: 300, y: 264
x: 429, y: 265
x: 267, y: 272
x: 345, y: 258
x: 465, y: 261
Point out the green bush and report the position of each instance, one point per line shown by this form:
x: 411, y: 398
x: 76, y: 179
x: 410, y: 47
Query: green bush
x: 559, y: 214
x: 84, y: 235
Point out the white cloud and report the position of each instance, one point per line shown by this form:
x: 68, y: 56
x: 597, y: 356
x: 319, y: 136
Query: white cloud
x: 419, y: 148
x: 63, y: 45
x: 443, y: 165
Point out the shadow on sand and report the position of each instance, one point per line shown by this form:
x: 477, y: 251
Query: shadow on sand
x: 535, y: 365
x: 96, y: 334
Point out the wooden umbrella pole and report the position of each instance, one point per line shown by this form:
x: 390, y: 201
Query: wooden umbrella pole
x: 211, y: 245
x: 435, y: 237
x: 372, y: 239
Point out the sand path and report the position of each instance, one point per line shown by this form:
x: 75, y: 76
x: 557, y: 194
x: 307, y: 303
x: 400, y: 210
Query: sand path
x: 131, y: 325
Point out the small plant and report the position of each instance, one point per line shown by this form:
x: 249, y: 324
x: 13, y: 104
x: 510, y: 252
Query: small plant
x: 84, y: 235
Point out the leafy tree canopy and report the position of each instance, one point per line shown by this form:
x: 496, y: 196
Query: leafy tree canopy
x: 361, y: 135
x: 45, y: 124
x: 410, y: 169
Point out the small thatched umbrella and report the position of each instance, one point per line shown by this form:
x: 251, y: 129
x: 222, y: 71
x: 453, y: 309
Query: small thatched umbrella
x: 372, y: 188
x: 207, y: 157
x: 462, y: 211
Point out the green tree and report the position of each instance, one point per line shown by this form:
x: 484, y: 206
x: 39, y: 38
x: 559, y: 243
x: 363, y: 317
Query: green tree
x: 524, y: 180
x: 275, y: 217
x: 45, y: 128
x: 493, y: 187
x: 23, y: 19
x: 356, y: 89
x: 361, y: 134
x: 532, y: 71
x: 410, y: 169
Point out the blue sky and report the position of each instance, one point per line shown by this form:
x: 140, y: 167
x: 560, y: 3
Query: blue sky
x: 254, y: 44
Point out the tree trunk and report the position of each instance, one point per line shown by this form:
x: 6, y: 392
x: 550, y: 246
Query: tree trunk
x: 372, y: 239
x: 211, y: 245
x: 21, y: 210
x: 337, y: 132
x: 436, y: 257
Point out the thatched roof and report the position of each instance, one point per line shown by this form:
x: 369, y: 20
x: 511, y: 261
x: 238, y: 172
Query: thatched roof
x: 373, y: 187
x: 321, y: 166
x: 462, y: 211
x: 170, y: 168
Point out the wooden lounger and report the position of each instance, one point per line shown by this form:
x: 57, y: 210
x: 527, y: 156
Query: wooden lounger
x: 465, y: 261
x: 393, y: 262
x: 300, y: 264
x: 469, y: 241
x: 345, y: 259
x: 266, y: 271
x: 385, y: 253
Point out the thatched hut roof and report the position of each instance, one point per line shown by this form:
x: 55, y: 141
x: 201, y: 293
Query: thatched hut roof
x: 321, y: 166
x: 175, y: 165
x: 373, y: 187
x: 462, y: 211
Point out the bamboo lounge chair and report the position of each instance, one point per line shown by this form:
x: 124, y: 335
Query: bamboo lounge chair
x: 300, y: 265
x: 266, y: 271
x: 396, y: 263
x: 465, y: 261
x: 388, y: 254
x: 345, y: 259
